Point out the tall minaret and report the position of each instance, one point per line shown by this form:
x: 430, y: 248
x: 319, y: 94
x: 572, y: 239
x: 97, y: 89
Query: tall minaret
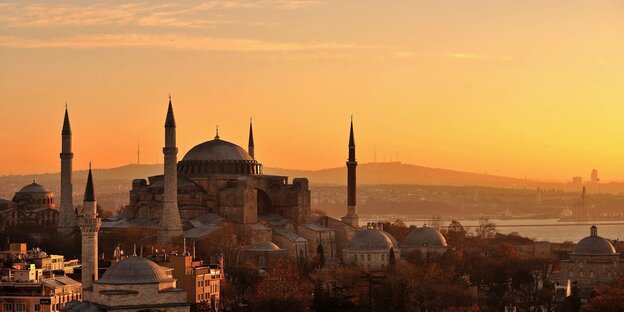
x: 67, y: 215
x: 250, y: 147
x: 170, y: 224
x: 89, y: 227
x: 351, y: 217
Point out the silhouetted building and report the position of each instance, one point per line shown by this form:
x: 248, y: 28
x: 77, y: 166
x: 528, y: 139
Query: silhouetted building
x: 33, y: 207
x: 370, y: 249
x: 594, y: 176
x: 594, y: 261
x: 201, y: 282
x: 28, y: 289
x: 577, y: 181
x: 425, y: 240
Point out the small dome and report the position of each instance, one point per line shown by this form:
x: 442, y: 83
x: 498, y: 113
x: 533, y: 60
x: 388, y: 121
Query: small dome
x: 425, y: 237
x: 33, y: 188
x: 216, y: 150
x: 262, y: 246
x: 372, y: 240
x: 594, y: 245
x: 134, y: 270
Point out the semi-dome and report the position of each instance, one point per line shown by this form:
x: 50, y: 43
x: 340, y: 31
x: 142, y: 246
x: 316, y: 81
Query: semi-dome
x: 263, y: 246
x: 134, y: 270
x: 33, y: 188
x: 594, y: 245
x: 424, y: 237
x: 372, y: 240
x: 218, y: 157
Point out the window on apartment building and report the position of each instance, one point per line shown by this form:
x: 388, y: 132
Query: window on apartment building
x: 383, y: 257
x: 8, y: 307
x: 20, y: 307
x: 368, y: 257
x: 37, y: 307
x: 198, y: 283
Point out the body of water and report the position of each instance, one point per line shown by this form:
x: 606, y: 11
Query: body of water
x: 538, y: 229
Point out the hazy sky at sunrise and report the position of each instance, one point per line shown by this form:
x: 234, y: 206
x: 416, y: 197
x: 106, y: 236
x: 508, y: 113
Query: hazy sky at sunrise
x: 521, y: 88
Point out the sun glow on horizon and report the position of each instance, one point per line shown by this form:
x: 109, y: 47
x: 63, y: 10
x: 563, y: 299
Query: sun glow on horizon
x: 524, y: 89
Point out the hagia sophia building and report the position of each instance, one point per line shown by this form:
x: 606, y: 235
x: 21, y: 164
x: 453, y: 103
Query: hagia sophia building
x: 218, y: 183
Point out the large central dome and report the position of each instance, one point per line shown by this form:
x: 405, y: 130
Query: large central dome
x: 218, y: 157
x: 217, y: 149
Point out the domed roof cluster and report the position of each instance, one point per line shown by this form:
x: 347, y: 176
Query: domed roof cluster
x: 134, y: 270
x: 594, y: 245
x: 33, y: 188
x: 424, y: 237
x: 372, y: 240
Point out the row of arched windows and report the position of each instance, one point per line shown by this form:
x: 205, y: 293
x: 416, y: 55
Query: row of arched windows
x: 207, y: 167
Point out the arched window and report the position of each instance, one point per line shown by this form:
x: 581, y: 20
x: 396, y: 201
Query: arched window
x: 571, y: 273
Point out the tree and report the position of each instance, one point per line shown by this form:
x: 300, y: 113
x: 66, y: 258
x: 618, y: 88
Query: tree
x: 455, y: 233
x: 420, y: 288
x: 391, y: 259
x: 320, y: 251
x: 486, y: 228
x: 397, y: 229
x: 201, y: 307
x: 284, y: 289
x: 246, y: 277
x: 227, y: 241
x: 607, y: 299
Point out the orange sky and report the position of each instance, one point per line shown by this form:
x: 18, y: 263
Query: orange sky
x: 519, y: 88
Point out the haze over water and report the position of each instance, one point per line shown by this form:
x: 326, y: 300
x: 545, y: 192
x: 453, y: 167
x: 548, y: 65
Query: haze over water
x: 542, y: 229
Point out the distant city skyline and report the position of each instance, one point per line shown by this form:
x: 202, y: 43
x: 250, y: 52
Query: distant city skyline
x: 519, y: 89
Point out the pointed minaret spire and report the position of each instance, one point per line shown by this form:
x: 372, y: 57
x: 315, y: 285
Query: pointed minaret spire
x: 89, y: 227
x: 89, y: 195
x: 217, y: 135
x: 250, y: 147
x: 67, y: 220
x: 351, y: 217
x: 351, y: 142
x: 170, y: 226
x: 66, y: 125
x: 170, y: 120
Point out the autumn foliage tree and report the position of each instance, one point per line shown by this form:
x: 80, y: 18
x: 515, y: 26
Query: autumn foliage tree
x: 283, y: 289
x: 607, y: 299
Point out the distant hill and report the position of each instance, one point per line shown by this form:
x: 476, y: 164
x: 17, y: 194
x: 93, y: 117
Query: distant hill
x: 368, y: 173
x: 399, y: 173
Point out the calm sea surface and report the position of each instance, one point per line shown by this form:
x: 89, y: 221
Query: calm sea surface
x: 540, y: 229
